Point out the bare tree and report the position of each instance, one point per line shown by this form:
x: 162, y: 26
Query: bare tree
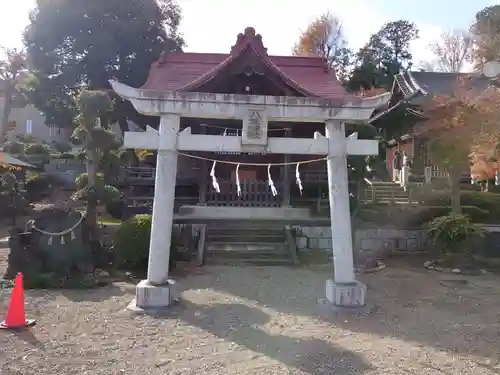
x: 453, y: 50
x: 427, y: 66
x: 324, y: 37
x: 486, y: 32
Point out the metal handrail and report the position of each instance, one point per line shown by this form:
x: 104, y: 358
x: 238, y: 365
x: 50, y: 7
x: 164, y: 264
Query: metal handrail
x: 369, y: 183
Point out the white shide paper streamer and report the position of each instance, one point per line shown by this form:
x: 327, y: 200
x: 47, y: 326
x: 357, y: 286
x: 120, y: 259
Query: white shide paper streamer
x: 215, y: 183
x: 238, y: 187
x: 270, y: 181
x: 297, y: 178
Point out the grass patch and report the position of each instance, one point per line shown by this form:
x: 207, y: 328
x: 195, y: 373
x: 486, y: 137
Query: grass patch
x: 109, y: 221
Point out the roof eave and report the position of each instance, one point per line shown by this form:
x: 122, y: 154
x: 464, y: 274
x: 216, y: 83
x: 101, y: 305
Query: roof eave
x: 404, y: 138
x: 406, y: 99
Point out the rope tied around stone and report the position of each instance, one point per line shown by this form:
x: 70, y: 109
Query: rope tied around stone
x: 61, y: 234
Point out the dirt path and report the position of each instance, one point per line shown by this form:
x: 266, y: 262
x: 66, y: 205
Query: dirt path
x: 263, y: 321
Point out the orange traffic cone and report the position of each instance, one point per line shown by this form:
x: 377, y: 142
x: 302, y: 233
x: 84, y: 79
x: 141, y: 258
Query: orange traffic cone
x: 16, y: 318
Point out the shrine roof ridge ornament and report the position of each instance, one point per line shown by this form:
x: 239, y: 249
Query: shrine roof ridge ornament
x: 156, y: 102
x: 250, y: 41
x: 249, y: 38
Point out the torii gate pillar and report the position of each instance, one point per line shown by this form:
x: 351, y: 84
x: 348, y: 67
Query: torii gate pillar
x: 343, y: 289
x: 156, y: 291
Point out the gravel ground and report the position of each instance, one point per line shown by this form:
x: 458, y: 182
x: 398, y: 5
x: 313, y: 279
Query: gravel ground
x: 257, y: 320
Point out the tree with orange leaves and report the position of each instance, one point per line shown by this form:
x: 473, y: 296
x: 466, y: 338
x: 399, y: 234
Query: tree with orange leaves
x: 324, y: 37
x: 459, y: 128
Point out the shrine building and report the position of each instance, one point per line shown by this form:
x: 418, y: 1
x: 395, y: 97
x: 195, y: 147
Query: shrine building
x: 247, y: 70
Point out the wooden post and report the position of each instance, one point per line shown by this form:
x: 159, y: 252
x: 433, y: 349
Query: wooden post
x: 286, y: 176
x: 203, y: 178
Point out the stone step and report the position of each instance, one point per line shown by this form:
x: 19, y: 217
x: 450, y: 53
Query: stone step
x: 385, y: 188
x: 388, y: 195
x: 394, y: 191
x: 244, y: 253
x: 247, y: 244
x: 242, y: 233
x: 390, y: 201
x: 250, y: 262
x: 388, y: 185
x: 252, y: 224
x: 251, y: 241
x: 245, y: 247
x: 245, y: 237
x: 382, y: 183
x: 383, y: 192
x: 244, y: 230
x: 388, y: 192
x: 236, y: 254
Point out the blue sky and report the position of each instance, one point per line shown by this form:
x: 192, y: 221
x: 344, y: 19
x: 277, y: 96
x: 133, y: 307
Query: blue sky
x: 212, y: 26
x: 447, y: 13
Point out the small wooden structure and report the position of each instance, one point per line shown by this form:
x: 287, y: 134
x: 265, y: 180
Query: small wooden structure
x: 409, y: 93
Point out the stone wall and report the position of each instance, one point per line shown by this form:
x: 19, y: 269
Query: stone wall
x: 320, y: 238
x: 390, y: 239
x: 313, y: 238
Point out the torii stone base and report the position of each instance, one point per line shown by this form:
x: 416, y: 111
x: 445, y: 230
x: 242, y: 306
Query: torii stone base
x: 157, y: 298
x: 153, y: 298
x: 350, y: 295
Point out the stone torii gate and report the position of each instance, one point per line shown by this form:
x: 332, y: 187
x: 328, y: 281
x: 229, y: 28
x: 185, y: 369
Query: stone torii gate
x: 255, y: 111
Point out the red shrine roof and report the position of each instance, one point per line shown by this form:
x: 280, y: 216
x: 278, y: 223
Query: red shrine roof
x: 182, y: 71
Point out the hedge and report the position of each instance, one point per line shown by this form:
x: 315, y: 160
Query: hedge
x: 483, y: 201
x: 414, y: 216
x: 132, y: 244
x: 428, y: 213
x: 37, y: 186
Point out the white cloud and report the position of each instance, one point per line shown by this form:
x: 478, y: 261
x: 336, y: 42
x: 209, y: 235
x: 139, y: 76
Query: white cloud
x: 212, y: 26
x: 420, y: 47
x: 13, y: 20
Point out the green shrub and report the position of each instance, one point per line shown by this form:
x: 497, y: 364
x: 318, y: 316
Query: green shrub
x: 55, y: 281
x: 61, y: 147
x: 34, y: 149
x: 467, y: 198
x: 486, y: 201
x: 428, y: 213
x: 68, y: 155
x: 132, y: 243
x: 115, y: 208
x: 14, y: 147
x: 454, y: 234
x: 37, y: 186
x: 82, y: 180
x: 413, y: 216
x: 482, y: 201
x: 99, y: 193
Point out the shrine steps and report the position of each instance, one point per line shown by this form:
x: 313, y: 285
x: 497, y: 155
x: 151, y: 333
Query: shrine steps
x: 385, y: 192
x: 238, y: 244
